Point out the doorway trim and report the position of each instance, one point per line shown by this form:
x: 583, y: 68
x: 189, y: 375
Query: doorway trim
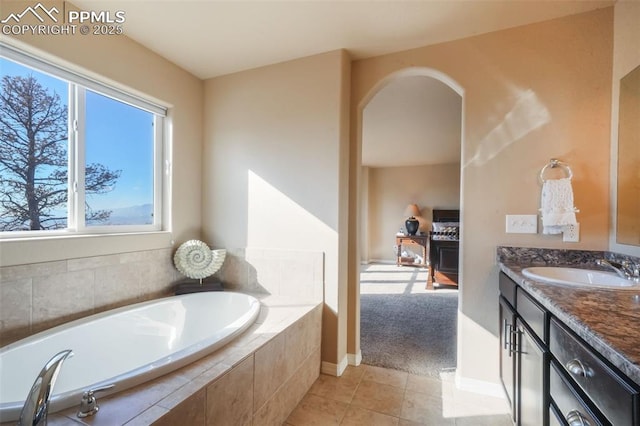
x: 355, y: 355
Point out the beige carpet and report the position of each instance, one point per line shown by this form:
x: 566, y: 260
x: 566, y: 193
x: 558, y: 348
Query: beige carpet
x: 404, y: 326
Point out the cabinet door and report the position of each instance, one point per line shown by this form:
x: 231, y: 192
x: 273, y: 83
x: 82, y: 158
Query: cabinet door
x: 444, y: 261
x: 447, y: 256
x: 507, y: 358
x: 531, y: 383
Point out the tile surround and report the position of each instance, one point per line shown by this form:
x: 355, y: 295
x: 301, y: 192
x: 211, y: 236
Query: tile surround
x: 287, y: 331
x: 221, y: 388
x: 274, y: 271
x: 39, y: 296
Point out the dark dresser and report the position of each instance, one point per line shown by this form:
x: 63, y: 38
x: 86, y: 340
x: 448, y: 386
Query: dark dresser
x: 444, y: 247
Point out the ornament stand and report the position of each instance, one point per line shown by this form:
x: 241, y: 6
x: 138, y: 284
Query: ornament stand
x: 198, y: 286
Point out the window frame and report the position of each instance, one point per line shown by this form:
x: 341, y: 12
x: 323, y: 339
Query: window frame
x: 78, y: 83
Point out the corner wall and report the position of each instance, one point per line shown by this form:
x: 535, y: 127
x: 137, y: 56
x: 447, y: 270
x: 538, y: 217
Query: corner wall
x: 531, y: 93
x: 276, y: 158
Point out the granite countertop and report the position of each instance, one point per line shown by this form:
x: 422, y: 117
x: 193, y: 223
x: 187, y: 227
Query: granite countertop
x: 607, y: 319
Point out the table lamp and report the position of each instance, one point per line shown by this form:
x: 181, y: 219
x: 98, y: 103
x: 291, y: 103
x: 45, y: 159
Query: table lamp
x: 412, y: 224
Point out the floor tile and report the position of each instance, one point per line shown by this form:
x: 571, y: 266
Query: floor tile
x: 335, y: 388
x: 314, y: 410
x: 423, y: 408
x: 378, y: 397
x: 496, y: 420
x: 359, y: 416
x: 386, y: 376
x: 354, y: 373
x: 425, y: 384
x: 405, y: 422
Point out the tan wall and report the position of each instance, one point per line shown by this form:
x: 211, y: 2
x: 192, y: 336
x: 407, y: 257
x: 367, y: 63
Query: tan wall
x: 120, y: 61
x: 530, y: 94
x: 392, y: 189
x: 275, y: 154
x: 626, y: 57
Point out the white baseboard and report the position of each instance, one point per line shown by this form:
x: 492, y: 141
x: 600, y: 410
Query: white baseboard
x: 355, y: 359
x: 479, y: 386
x: 334, y: 369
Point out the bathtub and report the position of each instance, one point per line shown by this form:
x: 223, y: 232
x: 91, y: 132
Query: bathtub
x: 125, y: 346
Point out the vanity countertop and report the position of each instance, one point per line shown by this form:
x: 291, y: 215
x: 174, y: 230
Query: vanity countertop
x: 607, y: 319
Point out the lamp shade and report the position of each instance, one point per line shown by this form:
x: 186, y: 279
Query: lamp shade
x: 413, y: 210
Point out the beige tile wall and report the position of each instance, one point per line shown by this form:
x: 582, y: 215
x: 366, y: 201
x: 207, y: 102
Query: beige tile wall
x: 276, y: 272
x: 38, y: 296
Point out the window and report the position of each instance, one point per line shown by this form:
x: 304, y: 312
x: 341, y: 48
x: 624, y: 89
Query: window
x: 76, y: 156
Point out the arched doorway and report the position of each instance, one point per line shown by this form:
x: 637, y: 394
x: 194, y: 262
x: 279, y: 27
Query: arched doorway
x: 372, y: 245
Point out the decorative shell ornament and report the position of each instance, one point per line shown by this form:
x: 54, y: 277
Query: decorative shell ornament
x: 196, y: 260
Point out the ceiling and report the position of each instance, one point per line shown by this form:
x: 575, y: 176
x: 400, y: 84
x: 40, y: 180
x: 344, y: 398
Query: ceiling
x: 211, y: 38
x: 420, y: 115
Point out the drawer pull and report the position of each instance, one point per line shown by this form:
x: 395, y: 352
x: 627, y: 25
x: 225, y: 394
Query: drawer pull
x: 575, y: 418
x: 577, y: 368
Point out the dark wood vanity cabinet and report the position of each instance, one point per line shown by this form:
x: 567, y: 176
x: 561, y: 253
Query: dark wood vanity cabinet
x: 552, y: 376
x: 507, y: 361
x: 523, y: 354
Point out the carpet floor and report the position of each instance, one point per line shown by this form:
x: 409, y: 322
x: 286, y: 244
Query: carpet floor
x: 403, y: 326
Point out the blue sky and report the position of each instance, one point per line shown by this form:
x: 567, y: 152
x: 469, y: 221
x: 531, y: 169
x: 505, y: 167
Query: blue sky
x: 118, y: 136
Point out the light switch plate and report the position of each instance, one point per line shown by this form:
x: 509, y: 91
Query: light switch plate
x: 522, y: 224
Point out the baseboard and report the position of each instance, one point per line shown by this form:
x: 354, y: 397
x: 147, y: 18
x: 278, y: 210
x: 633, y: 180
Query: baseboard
x: 334, y: 369
x: 355, y: 359
x: 479, y: 386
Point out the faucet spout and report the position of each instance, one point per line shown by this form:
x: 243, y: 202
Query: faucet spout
x: 614, y: 266
x: 36, y: 407
x: 626, y: 269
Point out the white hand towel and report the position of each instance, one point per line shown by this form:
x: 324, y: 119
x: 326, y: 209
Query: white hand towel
x: 556, y: 203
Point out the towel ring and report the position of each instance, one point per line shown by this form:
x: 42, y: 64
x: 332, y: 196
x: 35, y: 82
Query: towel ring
x: 553, y: 164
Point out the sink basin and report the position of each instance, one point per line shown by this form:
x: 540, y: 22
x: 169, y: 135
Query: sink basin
x: 577, y: 277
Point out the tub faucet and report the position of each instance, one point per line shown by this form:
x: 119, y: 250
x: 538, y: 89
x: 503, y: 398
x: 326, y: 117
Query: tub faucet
x: 625, y: 269
x: 36, y: 407
x: 89, y: 404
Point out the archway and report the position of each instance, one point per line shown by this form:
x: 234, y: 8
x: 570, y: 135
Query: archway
x: 362, y: 243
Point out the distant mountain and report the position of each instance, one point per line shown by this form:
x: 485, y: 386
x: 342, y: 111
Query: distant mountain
x: 133, y: 215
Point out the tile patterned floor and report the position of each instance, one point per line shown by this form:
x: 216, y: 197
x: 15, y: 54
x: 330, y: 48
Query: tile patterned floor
x: 368, y: 396
x: 374, y: 396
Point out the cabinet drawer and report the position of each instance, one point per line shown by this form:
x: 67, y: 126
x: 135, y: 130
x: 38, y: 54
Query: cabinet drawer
x: 532, y: 313
x: 507, y: 288
x: 554, y: 416
x: 606, y: 388
x: 570, y: 406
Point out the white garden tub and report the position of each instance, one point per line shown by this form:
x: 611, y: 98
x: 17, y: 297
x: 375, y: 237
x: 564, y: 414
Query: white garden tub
x: 125, y: 346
